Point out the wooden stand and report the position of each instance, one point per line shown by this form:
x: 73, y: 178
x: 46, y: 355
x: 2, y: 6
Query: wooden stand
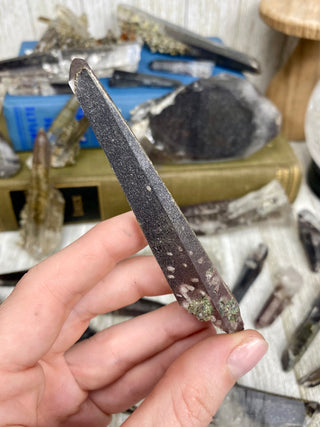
x: 291, y: 87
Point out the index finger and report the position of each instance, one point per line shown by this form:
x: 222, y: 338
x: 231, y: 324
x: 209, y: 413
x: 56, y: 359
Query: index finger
x: 32, y: 317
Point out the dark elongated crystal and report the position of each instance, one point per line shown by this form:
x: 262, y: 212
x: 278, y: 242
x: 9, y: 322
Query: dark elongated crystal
x: 309, y: 233
x: 163, y: 36
x: 311, y: 379
x: 195, y: 282
x: 288, y: 283
x: 302, y: 337
x: 128, y: 79
x: 142, y: 306
x: 250, y: 271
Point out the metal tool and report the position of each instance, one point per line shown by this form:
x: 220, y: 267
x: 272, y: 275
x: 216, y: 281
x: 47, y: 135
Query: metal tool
x: 195, y: 282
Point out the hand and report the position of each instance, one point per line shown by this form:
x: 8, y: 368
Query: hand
x: 168, y: 357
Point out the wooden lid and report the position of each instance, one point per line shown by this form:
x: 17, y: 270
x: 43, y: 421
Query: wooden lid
x: 300, y: 18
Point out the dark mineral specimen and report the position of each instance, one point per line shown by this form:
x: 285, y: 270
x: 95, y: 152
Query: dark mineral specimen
x: 250, y: 271
x: 288, y: 283
x: 247, y: 407
x: 311, y: 379
x: 309, y: 233
x: 195, y: 282
x: 302, y: 337
x: 222, y: 117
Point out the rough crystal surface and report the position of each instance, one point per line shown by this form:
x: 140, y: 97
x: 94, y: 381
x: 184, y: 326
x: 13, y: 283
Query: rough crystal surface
x: 222, y: 117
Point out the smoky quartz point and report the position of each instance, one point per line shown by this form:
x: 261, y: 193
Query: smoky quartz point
x: 41, y: 219
x: 309, y: 233
x: 219, y: 118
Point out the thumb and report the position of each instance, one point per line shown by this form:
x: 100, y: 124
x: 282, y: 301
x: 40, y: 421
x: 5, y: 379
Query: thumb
x: 195, y: 385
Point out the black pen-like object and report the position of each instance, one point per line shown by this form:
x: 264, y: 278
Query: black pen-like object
x: 195, y: 282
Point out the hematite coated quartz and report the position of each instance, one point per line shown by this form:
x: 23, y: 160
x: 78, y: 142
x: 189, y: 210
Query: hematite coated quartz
x: 222, y: 117
x: 195, y: 282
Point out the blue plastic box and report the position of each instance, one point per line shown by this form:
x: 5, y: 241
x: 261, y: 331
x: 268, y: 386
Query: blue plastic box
x: 25, y: 115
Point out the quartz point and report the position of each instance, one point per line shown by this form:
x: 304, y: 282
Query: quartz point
x: 250, y: 271
x: 65, y: 134
x: 302, y: 337
x: 269, y: 202
x: 289, y: 281
x: 9, y: 161
x: 219, y: 118
x: 41, y: 218
x: 311, y: 379
x: 309, y: 233
x: 194, y: 68
x: 195, y: 282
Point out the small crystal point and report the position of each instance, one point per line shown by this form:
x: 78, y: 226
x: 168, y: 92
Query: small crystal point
x: 302, y: 337
x: 309, y: 233
x: 311, y: 379
x: 289, y: 282
x: 41, y: 219
x: 250, y: 271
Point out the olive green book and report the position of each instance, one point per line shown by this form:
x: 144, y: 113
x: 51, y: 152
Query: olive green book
x: 92, y: 191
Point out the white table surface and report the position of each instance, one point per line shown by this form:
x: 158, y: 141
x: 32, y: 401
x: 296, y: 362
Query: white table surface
x: 229, y: 250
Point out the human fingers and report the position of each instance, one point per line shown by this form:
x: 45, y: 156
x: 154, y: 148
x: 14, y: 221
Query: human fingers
x: 139, y: 381
x: 195, y: 385
x: 108, y: 355
x: 31, y: 318
x: 130, y: 280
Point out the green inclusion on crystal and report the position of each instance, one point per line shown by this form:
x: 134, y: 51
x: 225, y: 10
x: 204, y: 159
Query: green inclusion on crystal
x: 202, y: 309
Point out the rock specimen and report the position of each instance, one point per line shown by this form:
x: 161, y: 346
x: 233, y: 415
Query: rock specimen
x: 9, y: 161
x: 195, y: 282
x: 289, y: 282
x: 269, y: 202
x: 219, y: 118
x: 250, y: 271
x: 309, y: 233
x: 247, y: 407
x: 302, y: 337
x: 311, y: 379
x: 42, y: 216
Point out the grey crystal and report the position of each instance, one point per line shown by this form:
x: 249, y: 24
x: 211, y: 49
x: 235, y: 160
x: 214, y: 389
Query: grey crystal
x: 219, y: 118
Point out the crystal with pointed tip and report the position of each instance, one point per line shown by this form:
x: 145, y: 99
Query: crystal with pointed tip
x: 289, y: 281
x: 194, y: 280
x: 200, y: 121
x: 269, y: 202
x: 250, y: 271
x: 311, y: 379
x: 309, y: 233
x: 302, y: 337
x: 41, y: 218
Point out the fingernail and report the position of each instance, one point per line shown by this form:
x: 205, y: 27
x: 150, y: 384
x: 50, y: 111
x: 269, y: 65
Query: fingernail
x: 244, y: 357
